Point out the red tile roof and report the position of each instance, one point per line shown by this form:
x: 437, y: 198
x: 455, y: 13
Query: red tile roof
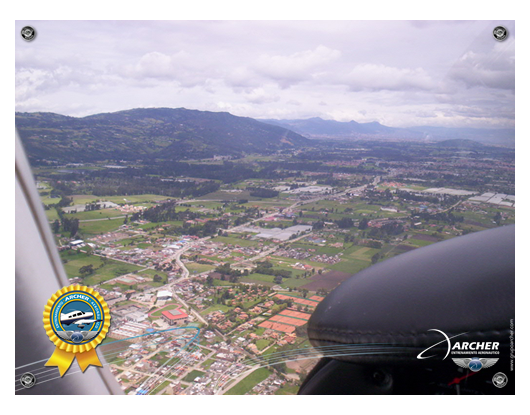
x: 175, y: 314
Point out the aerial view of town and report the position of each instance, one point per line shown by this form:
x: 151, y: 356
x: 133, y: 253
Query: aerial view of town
x: 213, y: 236
x: 226, y: 279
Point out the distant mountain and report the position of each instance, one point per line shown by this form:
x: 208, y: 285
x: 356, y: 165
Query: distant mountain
x: 149, y: 133
x: 319, y: 128
x: 495, y: 136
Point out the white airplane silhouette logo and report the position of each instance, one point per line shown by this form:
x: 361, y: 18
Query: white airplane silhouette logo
x: 79, y: 318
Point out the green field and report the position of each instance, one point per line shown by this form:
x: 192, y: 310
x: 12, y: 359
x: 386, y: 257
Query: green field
x: 205, y: 204
x: 349, y: 266
x: 287, y: 390
x: 195, y: 268
x: 360, y: 252
x: 51, y: 214
x: 249, y: 382
x: 235, y: 241
x: 169, y: 306
x: 102, y: 272
x: 95, y: 214
x: 208, y: 363
x: 262, y: 343
x: 419, y: 242
x: 160, y: 387
x: 99, y: 227
x: 276, y: 259
x: 268, y: 280
x: 134, y: 199
x: 46, y: 199
x: 192, y: 375
x: 216, y: 307
x: 151, y: 273
x: 221, y: 195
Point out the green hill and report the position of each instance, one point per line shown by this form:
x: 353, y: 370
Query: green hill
x: 163, y: 133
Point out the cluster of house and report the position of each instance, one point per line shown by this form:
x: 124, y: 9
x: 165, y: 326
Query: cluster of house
x: 111, y: 296
x: 295, y: 253
x: 130, y: 208
x: 379, y: 223
x: 269, y: 386
x: 159, y: 259
x: 218, y: 319
x: 127, y: 279
x: 142, y: 358
x: 224, y: 250
x: 327, y: 259
x: 205, y: 385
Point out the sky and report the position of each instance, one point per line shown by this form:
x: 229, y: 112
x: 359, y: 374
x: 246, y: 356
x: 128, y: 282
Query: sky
x: 399, y: 73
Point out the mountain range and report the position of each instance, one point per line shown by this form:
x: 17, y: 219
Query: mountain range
x: 319, y: 128
x: 167, y: 133
x: 179, y: 134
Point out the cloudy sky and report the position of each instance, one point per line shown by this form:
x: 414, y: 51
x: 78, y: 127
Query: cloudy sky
x: 399, y: 73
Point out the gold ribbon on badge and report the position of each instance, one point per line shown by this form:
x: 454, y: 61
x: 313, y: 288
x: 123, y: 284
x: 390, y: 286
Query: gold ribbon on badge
x: 66, y: 351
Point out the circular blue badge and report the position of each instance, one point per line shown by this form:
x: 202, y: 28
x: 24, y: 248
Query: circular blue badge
x: 77, y: 317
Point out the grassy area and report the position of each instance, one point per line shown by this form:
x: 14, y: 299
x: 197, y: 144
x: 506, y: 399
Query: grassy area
x: 168, y: 307
x: 152, y: 272
x: 350, y: 266
x: 208, y: 205
x: 103, y: 271
x: 195, y: 268
x: 160, y: 387
x: 192, y: 375
x: 47, y: 200
x: 360, y: 252
x: 220, y: 195
x: 235, y: 241
x: 262, y: 343
x: 208, y: 363
x: 419, y: 242
x: 135, y: 199
x: 51, y: 214
x: 294, y: 282
x: 249, y: 382
x: 259, y: 331
x: 216, y: 307
x: 276, y: 259
x: 262, y: 279
x: 270, y: 351
x: 287, y: 390
x: 95, y: 214
x: 99, y: 227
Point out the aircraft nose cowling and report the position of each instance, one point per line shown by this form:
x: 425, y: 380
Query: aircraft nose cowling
x: 462, y: 285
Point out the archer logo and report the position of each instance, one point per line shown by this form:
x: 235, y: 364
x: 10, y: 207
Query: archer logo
x: 462, y: 348
x: 475, y: 363
x: 446, y: 339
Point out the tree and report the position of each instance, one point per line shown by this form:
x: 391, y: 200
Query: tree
x: 157, y: 278
x: 363, y: 224
x: 86, y: 270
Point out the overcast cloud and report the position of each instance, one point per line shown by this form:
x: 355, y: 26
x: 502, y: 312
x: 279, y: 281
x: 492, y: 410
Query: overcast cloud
x: 398, y: 73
